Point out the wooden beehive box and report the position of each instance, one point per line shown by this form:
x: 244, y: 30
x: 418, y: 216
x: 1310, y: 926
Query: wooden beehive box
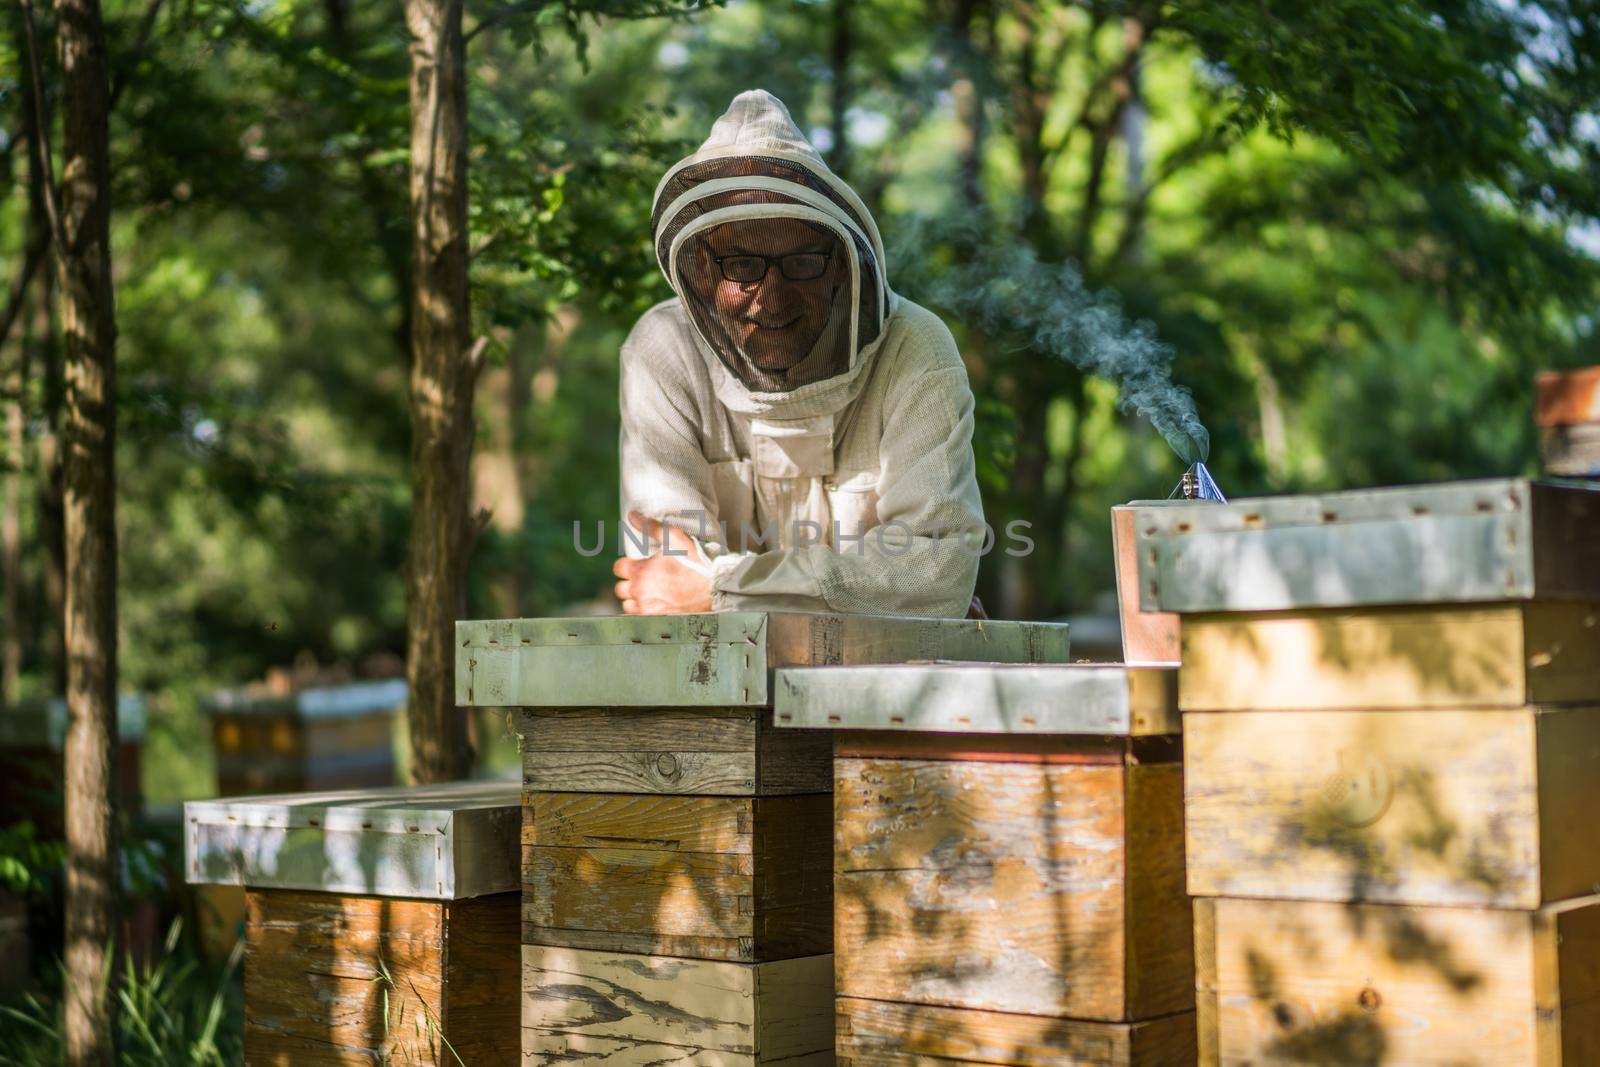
x: 333, y: 737
x: 614, y: 1008
x: 1398, y: 691
x: 743, y: 879
x: 381, y: 924
x: 1480, y: 807
x: 1451, y: 656
x: 32, y: 743
x: 676, y: 844
x: 1457, y: 596
x: 1567, y: 413
x: 1292, y: 983
x: 1008, y: 862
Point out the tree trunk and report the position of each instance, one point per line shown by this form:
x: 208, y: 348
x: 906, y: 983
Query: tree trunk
x: 381, y: 195
x: 840, y: 47
x: 83, y: 258
x: 11, y: 627
x: 443, y: 372
x: 967, y: 92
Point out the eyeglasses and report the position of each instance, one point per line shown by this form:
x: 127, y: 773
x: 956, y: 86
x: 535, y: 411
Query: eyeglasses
x: 796, y: 266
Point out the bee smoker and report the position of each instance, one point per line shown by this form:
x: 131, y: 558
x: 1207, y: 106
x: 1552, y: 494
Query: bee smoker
x: 1152, y: 636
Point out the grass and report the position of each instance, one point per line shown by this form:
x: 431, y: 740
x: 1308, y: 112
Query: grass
x: 176, y: 1012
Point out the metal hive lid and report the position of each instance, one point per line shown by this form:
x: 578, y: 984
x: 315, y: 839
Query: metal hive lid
x: 43, y: 723
x: 1454, y: 542
x: 447, y: 841
x: 712, y: 660
x: 1098, y: 699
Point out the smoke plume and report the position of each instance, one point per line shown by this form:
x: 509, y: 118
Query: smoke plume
x: 1004, y: 290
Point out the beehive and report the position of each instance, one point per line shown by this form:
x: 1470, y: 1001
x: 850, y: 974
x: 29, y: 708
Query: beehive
x: 676, y: 863
x: 32, y: 744
x: 1392, y: 742
x: 1567, y: 413
x: 331, y: 737
x: 1008, y: 862
x: 381, y: 924
x: 1296, y: 982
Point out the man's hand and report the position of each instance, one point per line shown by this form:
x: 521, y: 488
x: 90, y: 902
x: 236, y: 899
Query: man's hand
x: 662, y: 584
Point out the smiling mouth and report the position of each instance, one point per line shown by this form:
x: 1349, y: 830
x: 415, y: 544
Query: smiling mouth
x: 774, y: 328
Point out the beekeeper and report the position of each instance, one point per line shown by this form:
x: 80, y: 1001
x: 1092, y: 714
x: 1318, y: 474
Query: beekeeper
x: 794, y: 434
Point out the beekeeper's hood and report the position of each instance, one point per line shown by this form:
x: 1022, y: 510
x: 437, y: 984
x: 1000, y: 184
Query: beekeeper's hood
x: 800, y: 347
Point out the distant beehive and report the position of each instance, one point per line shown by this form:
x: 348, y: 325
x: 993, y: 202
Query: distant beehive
x: 1392, y: 754
x: 677, y: 880
x: 328, y: 737
x: 32, y: 742
x: 1008, y: 862
x: 1567, y: 413
x: 381, y: 924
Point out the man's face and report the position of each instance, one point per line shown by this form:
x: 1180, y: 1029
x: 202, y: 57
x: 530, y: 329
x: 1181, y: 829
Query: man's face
x: 774, y: 320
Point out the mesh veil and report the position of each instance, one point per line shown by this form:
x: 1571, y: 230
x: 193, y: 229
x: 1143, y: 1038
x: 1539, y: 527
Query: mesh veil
x: 795, y: 332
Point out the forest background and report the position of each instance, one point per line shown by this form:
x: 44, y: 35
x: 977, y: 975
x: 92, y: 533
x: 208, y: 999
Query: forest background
x: 1352, y: 230
x: 1358, y: 228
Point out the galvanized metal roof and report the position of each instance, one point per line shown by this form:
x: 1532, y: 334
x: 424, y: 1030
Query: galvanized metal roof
x: 713, y: 660
x: 458, y: 839
x: 320, y: 702
x: 1088, y: 698
x: 1455, y: 542
x: 43, y: 723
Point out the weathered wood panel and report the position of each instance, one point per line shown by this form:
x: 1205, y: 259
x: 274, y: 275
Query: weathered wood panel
x: 483, y: 980
x: 729, y: 878
x: 1500, y: 655
x: 1147, y: 636
x: 879, y: 1034
x: 1160, y: 953
x: 1008, y: 748
x: 705, y: 751
x: 638, y: 1054
x: 1004, y: 887
x: 623, y: 820
x: 1570, y: 451
x: 315, y: 991
x: 1576, y: 946
x: 312, y: 971
x: 602, y: 1007
x: 1288, y: 982
x: 1476, y: 808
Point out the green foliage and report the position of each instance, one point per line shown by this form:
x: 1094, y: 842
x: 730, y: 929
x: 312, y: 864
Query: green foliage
x: 28, y: 866
x: 1359, y: 226
x: 175, y: 1012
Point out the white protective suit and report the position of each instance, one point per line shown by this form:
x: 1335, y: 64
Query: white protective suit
x: 871, y: 432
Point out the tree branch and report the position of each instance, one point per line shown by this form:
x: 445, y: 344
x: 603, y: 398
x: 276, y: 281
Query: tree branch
x: 501, y: 17
x: 31, y: 258
x: 147, y: 27
x: 41, y: 138
x: 1210, y: 139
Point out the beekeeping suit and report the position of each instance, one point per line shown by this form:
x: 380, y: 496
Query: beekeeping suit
x: 836, y: 475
